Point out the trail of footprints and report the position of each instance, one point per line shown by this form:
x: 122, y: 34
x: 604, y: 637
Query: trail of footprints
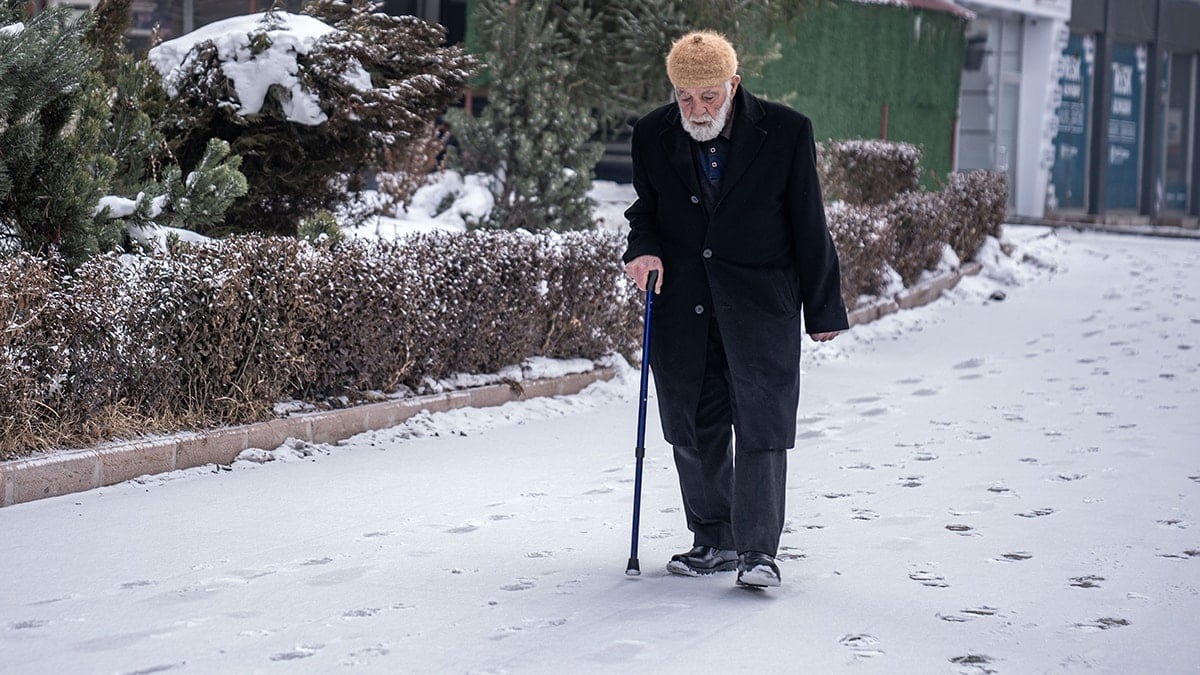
x: 865, y: 646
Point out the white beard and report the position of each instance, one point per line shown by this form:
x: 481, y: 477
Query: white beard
x: 707, y: 132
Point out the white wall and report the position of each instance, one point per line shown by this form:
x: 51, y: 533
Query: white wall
x: 1044, y: 41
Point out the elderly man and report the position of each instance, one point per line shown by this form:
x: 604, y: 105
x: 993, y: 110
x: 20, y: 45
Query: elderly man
x: 729, y: 212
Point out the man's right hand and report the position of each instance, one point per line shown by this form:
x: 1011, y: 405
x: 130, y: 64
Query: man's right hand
x: 639, y: 269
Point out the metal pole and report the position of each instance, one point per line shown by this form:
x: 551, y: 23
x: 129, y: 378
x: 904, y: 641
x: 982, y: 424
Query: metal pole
x: 189, y: 16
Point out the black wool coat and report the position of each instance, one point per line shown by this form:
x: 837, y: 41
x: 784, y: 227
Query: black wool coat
x: 760, y: 260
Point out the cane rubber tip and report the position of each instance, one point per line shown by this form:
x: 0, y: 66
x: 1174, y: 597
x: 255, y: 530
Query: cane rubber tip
x: 633, y: 573
x: 633, y: 570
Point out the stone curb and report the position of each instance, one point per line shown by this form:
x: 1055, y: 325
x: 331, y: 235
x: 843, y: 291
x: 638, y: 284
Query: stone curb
x: 25, y: 480
x: 29, y: 479
x: 914, y: 297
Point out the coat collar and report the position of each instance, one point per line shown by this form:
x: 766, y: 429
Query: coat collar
x: 748, y: 139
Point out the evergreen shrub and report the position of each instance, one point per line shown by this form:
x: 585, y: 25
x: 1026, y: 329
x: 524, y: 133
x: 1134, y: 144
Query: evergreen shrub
x: 868, y: 172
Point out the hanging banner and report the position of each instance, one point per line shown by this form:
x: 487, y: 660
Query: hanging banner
x: 1125, y: 126
x: 1068, y: 174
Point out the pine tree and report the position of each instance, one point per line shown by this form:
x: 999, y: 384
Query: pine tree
x: 533, y: 134
x: 295, y: 169
x: 617, y: 48
x: 145, y: 170
x: 49, y: 183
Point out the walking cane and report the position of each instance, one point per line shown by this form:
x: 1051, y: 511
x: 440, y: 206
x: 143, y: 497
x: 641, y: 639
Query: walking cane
x: 633, y: 569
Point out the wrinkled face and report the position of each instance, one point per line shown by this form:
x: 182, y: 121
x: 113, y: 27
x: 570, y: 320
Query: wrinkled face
x: 705, y: 109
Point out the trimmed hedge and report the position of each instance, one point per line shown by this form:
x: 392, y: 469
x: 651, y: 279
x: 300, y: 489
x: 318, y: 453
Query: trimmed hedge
x: 975, y: 204
x: 218, y: 334
x: 864, y: 244
x: 919, y: 227
x: 868, y: 172
x: 201, y: 336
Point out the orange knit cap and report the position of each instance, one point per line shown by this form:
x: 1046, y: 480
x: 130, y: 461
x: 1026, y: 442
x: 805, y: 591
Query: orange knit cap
x: 701, y: 59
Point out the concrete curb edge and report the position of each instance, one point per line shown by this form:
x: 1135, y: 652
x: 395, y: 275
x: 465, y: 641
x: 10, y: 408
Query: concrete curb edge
x: 919, y: 295
x: 32, y: 478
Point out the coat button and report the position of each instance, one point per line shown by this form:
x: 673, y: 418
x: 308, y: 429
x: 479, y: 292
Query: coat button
x: 707, y: 253
x: 695, y: 199
x: 699, y: 309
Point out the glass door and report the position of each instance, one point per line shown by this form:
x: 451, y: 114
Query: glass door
x: 1181, y: 120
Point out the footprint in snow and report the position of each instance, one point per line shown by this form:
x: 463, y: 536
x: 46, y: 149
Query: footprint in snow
x: 1173, y: 523
x: 1089, y: 581
x: 300, y: 652
x: 27, y: 624
x: 911, y: 481
x: 790, y: 553
x: 969, y: 614
x: 1104, y: 623
x: 929, y: 578
x: 521, y: 584
x: 1015, y: 556
x: 963, y: 530
x: 1036, y: 513
x: 980, y: 663
x: 861, y: 645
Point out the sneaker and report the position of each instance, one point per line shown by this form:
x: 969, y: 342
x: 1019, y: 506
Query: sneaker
x: 702, y: 560
x: 757, y: 570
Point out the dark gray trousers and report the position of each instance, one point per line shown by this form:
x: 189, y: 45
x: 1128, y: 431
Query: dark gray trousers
x: 730, y: 503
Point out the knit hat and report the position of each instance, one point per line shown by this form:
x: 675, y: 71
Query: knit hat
x: 701, y: 59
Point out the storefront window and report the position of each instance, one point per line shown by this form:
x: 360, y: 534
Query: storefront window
x: 1069, y: 172
x: 1177, y: 175
x: 1127, y: 84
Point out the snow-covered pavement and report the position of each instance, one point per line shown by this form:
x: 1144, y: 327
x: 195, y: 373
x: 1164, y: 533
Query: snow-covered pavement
x: 980, y: 486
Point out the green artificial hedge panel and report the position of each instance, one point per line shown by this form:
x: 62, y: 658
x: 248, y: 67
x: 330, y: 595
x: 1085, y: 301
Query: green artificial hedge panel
x: 845, y: 60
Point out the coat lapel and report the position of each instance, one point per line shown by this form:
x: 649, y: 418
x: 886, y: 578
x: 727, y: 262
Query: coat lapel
x: 677, y: 146
x: 748, y: 140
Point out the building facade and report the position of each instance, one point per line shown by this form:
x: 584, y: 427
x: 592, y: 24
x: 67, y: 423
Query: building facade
x: 1126, y: 148
x: 1008, y: 100
x: 174, y: 18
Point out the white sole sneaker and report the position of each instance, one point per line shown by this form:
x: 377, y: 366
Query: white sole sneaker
x: 759, y: 576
